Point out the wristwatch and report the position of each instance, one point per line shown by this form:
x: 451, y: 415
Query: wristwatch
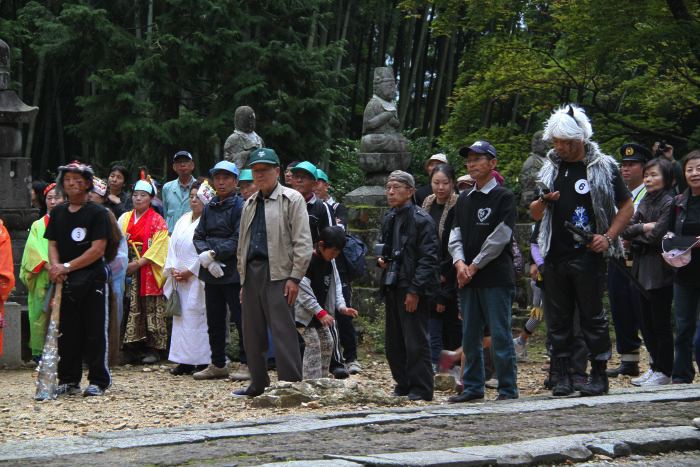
x: 67, y: 266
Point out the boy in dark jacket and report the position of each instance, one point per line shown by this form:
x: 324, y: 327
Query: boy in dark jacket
x: 410, y: 259
x: 216, y: 241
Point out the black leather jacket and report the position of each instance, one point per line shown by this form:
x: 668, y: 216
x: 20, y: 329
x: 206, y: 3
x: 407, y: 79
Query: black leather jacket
x: 418, y: 265
x: 218, y: 230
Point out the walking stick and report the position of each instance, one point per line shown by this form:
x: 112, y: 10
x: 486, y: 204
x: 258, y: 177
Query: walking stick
x: 47, y: 379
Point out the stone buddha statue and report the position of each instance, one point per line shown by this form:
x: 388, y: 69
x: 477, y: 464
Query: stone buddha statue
x: 380, y: 124
x: 244, y: 139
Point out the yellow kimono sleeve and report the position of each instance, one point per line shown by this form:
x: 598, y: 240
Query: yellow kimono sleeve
x: 157, y: 253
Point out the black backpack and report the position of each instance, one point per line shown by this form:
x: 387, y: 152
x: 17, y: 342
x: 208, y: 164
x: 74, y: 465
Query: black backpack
x: 354, y: 253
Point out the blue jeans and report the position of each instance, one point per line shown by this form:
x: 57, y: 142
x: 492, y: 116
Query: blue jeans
x: 686, y: 299
x: 492, y: 307
x: 435, y: 332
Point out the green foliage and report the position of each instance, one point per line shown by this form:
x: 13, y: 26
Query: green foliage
x: 373, y: 332
x: 345, y: 174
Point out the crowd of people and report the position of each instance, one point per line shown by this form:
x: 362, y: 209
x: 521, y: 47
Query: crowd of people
x: 152, y: 275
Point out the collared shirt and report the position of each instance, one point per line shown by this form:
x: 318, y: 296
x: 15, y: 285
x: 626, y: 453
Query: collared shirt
x: 176, y: 201
x: 258, y: 231
x: 490, y: 185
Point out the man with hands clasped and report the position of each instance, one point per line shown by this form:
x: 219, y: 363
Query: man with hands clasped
x: 480, y: 247
x: 216, y: 241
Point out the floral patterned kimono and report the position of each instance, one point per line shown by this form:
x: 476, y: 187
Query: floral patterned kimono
x: 7, y: 275
x: 33, y: 275
x: 147, y: 237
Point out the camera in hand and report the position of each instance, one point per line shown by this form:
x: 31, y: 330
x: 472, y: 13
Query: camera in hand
x: 661, y: 148
x: 383, y: 251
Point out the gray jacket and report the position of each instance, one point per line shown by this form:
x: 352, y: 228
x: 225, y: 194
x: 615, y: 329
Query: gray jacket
x: 648, y: 266
x: 306, y: 306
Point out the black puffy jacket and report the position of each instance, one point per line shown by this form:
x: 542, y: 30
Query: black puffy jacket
x: 419, y: 263
x: 218, y: 230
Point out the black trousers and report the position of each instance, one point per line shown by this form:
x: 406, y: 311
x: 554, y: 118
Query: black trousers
x: 83, y: 331
x: 658, y: 331
x: 408, y: 345
x: 625, y: 308
x: 346, y: 329
x: 216, y: 297
x: 577, y: 283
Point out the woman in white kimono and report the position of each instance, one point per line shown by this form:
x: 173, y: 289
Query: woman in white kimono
x: 189, y: 345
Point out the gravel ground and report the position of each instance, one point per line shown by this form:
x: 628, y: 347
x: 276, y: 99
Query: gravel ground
x: 148, y: 396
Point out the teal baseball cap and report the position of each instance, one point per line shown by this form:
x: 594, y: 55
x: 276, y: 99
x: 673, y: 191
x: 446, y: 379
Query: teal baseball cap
x: 225, y: 166
x: 263, y: 156
x: 307, y: 167
x: 321, y: 175
x: 246, y: 176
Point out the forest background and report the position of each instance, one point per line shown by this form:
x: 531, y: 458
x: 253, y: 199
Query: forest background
x: 133, y: 81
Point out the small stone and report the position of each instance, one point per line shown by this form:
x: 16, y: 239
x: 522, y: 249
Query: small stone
x: 147, y: 370
x: 5, y: 410
x: 82, y: 423
x: 312, y: 405
x: 156, y: 422
x: 444, y: 382
x: 696, y: 423
x: 120, y: 426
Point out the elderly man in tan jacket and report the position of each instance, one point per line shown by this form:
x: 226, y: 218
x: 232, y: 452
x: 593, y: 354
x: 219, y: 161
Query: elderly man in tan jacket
x: 274, y: 250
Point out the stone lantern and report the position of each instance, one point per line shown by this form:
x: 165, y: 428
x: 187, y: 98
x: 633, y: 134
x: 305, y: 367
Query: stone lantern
x: 15, y: 170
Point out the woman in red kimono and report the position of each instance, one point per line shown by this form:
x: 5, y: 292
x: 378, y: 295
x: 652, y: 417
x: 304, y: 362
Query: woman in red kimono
x: 147, y: 237
x: 7, y: 275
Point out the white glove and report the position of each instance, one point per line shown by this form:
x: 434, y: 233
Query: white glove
x: 206, y: 258
x: 216, y: 269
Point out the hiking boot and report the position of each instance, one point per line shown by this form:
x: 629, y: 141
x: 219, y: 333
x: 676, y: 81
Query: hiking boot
x: 657, y: 379
x: 505, y: 397
x: 598, y: 382
x: 246, y: 392
x: 520, y: 350
x: 354, y: 367
x: 211, y: 372
x: 465, y: 397
x: 625, y: 368
x: 563, y: 385
x: 68, y: 389
x: 242, y: 374
x: 93, y: 390
x: 578, y: 381
x: 639, y: 381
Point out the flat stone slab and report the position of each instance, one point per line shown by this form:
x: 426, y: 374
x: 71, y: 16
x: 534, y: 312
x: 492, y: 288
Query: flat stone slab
x: 560, y: 449
x: 366, y: 196
x: 637, y: 440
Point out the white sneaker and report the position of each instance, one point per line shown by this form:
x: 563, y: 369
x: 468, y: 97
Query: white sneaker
x: 657, y: 379
x: 353, y: 367
x: 520, y: 350
x: 643, y: 378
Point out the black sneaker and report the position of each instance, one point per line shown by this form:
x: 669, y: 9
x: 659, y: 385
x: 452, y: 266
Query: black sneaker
x: 93, y: 390
x: 340, y: 373
x: 465, y: 397
x: 182, y: 369
x: 246, y: 392
x: 68, y: 389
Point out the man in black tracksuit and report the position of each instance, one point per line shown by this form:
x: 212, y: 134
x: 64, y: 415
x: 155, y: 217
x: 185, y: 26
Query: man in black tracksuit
x: 410, y: 260
x: 216, y: 241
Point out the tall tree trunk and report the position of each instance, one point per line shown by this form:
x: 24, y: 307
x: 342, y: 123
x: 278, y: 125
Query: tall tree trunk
x: 59, y: 131
x: 514, y: 110
x: 137, y: 19
x: 149, y: 25
x: 312, y: 30
x: 486, y: 122
x: 343, y: 35
x: 36, y: 98
x: 369, y: 71
x: 380, y: 38
x: 437, y: 89
x: 406, y: 98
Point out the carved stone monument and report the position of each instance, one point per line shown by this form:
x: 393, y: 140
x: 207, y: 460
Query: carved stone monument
x: 244, y: 139
x: 383, y: 148
x: 15, y: 170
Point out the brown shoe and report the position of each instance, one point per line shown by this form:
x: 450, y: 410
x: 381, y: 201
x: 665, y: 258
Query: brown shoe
x: 211, y: 372
x: 242, y: 374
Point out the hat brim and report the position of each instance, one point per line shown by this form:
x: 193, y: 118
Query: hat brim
x: 301, y: 169
x: 252, y: 163
x: 213, y: 172
x: 181, y: 156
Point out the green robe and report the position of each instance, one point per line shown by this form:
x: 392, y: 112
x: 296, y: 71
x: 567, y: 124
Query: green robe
x: 36, y: 278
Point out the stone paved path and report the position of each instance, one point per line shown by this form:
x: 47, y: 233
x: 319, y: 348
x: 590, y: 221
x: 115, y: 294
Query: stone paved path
x: 353, y: 436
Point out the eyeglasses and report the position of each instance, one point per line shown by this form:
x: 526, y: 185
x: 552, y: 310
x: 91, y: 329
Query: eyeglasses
x: 301, y: 176
x: 395, y: 187
x: 474, y: 160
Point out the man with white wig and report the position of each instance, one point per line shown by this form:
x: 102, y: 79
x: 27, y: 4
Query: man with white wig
x: 587, y: 191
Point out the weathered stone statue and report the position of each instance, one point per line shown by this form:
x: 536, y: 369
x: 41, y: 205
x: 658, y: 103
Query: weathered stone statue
x: 530, y: 169
x: 380, y: 124
x: 244, y: 139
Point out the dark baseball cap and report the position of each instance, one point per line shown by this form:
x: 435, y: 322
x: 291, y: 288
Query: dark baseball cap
x: 479, y: 146
x: 633, y: 152
x: 182, y: 154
